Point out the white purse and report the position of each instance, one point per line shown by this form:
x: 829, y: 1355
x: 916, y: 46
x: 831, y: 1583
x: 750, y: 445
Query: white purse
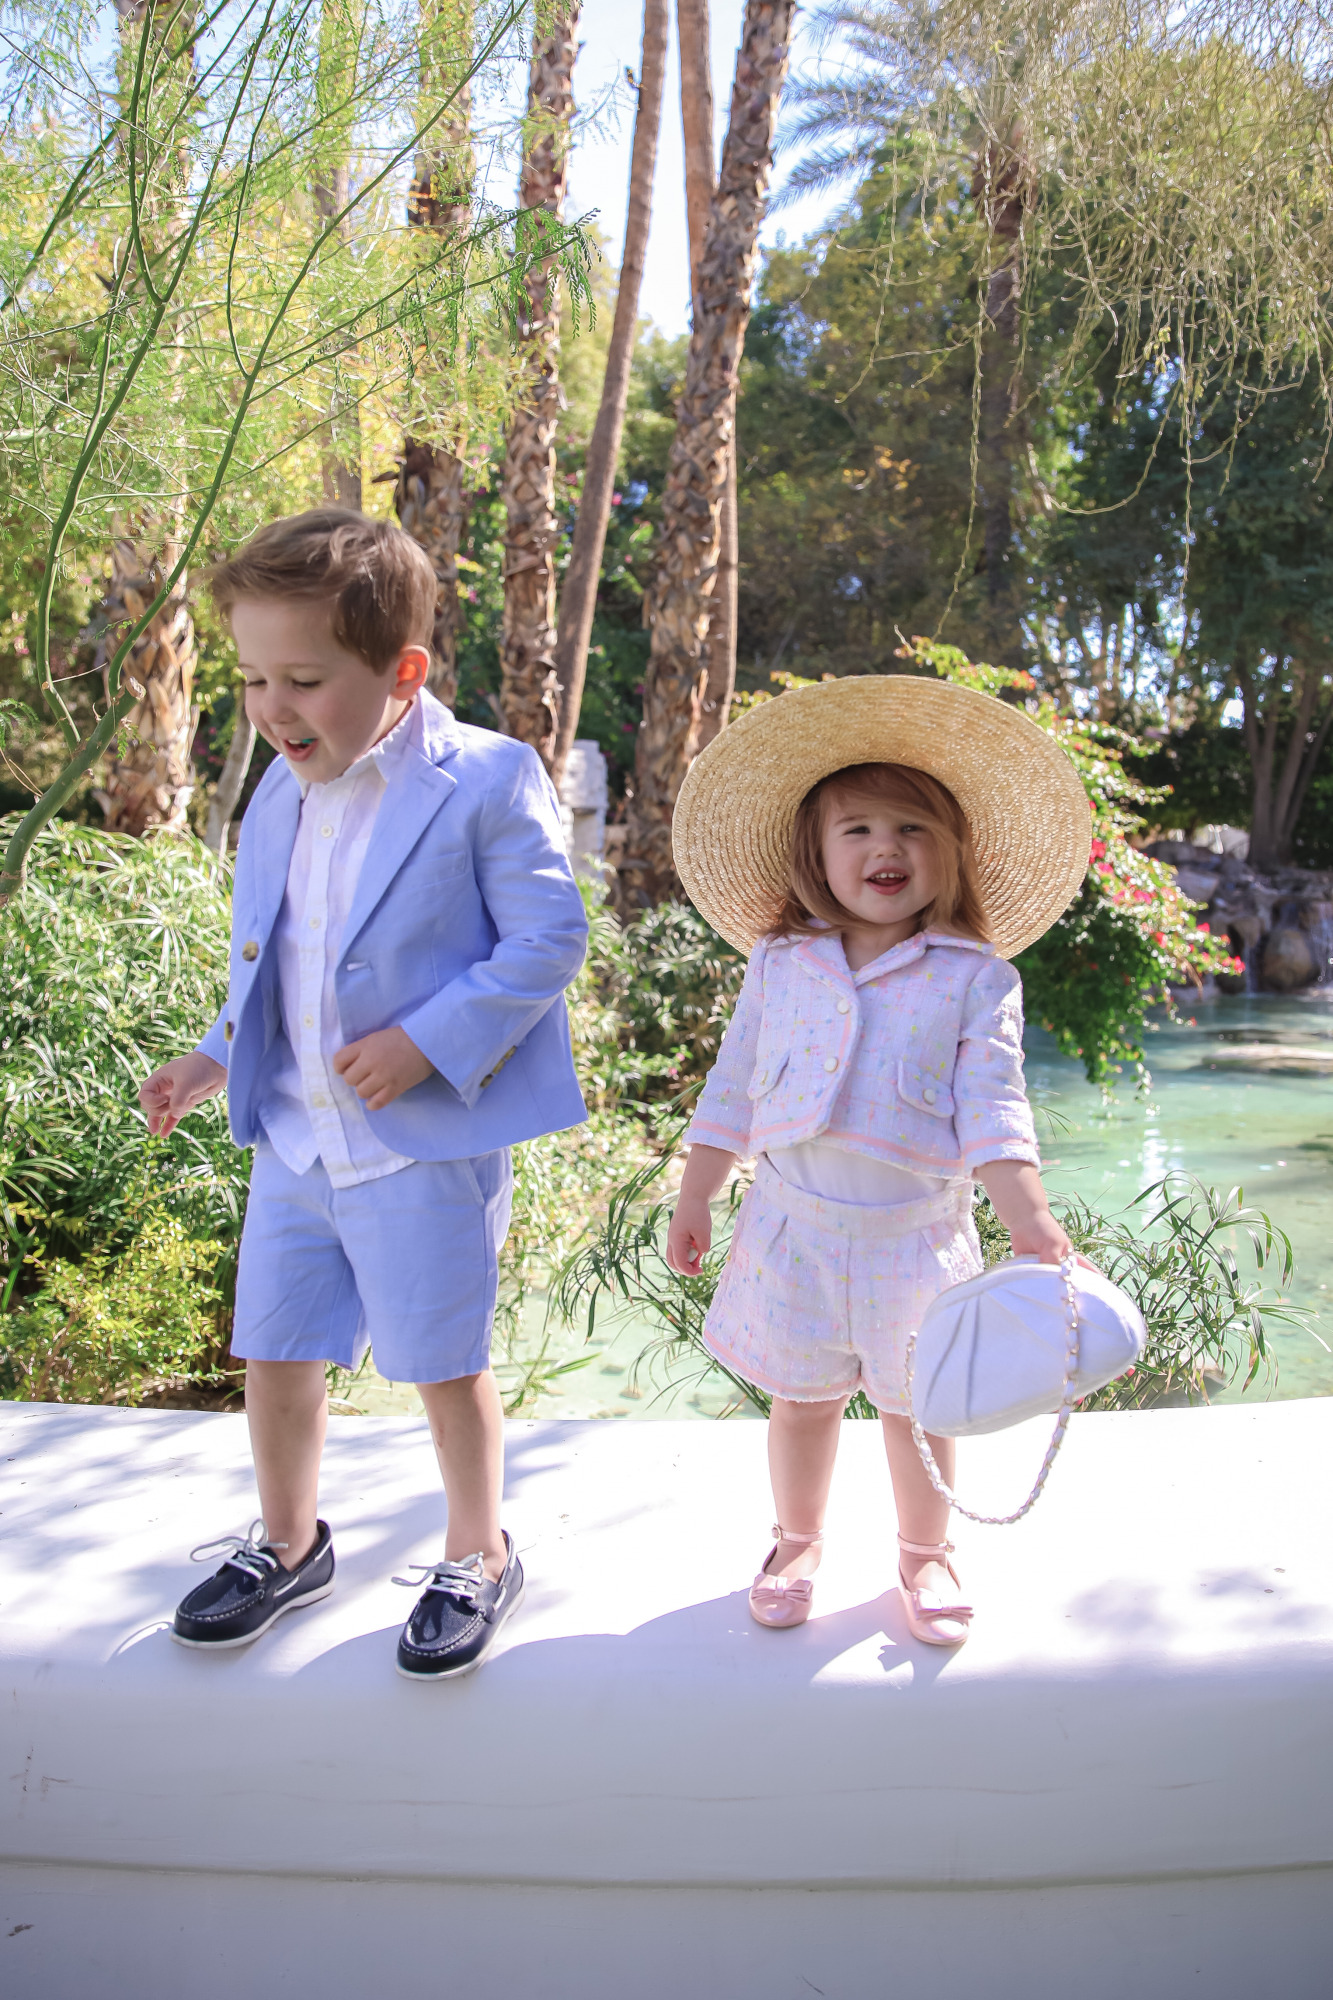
x: 1023, y: 1338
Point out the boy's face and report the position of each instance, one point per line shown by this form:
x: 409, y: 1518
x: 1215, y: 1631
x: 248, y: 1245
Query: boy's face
x: 320, y: 705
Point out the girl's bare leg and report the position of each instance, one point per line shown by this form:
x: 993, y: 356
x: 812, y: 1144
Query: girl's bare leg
x: 467, y: 1424
x: 802, y: 1445
x: 922, y: 1515
x: 287, y: 1405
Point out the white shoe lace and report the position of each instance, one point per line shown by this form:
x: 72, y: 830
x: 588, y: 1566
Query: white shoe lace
x: 252, y: 1553
x: 458, y: 1579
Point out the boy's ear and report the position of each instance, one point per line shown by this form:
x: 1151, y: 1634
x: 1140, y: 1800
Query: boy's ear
x: 412, y: 669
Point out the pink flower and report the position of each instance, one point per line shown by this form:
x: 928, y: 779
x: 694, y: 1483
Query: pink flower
x: 615, y: 499
x: 1098, y: 849
x: 1204, y: 928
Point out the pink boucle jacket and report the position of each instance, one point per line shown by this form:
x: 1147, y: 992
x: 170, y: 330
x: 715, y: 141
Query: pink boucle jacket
x: 916, y: 1059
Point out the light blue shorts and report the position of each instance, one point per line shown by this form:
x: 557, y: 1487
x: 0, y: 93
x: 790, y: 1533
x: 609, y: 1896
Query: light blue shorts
x: 407, y: 1265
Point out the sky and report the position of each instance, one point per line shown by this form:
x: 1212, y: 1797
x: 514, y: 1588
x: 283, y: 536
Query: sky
x: 610, y: 32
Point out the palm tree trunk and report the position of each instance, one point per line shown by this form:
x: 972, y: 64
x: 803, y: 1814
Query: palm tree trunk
x: 676, y: 682
x: 578, y: 596
x: 529, y: 685
x: 1002, y: 186
x: 696, y: 113
x: 339, y: 55
x: 226, y: 796
x: 430, y: 493
x: 151, y: 782
x: 148, y: 779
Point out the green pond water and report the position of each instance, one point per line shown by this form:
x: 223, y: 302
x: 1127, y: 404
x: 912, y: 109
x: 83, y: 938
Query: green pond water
x: 1242, y: 1095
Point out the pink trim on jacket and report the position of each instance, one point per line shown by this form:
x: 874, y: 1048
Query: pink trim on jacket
x: 917, y: 1058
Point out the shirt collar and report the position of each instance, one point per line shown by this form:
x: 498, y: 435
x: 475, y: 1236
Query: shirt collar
x: 385, y: 756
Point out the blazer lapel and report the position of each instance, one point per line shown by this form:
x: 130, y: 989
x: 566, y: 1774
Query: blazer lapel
x: 396, y: 832
x: 824, y: 959
x: 277, y: 812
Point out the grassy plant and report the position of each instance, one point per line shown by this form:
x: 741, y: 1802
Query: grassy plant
x: 1174, y: 1252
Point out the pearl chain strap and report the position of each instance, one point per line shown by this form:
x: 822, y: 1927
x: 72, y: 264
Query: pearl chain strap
x: 1067, y: 1399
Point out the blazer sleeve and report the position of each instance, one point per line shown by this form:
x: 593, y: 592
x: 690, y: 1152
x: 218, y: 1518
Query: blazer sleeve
x: 475, y: 1022
x: 215, y: 1043
x: 723, y: 1114
x: 992, y: 1116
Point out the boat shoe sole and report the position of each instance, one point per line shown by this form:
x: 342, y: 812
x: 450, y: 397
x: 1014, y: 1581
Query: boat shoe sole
x: 248, y: 1638
x: 478, y: 1659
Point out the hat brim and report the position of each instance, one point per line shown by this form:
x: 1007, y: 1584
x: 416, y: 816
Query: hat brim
x: 1029, y: 814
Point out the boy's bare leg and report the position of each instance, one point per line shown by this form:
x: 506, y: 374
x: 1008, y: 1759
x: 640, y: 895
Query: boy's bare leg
x: 922, y: 1515
x: 467, y: 1424
x: 802, y: 1445
x: 288, y: 1407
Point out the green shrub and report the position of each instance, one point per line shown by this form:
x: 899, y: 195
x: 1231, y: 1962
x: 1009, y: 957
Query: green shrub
x: 111, y: 1328
x: 1173, y: 1252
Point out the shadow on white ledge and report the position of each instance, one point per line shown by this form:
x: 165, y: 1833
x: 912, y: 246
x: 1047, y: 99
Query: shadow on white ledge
x: 1124, y: 1783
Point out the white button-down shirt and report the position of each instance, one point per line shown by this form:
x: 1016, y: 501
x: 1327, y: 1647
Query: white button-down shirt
x: 309, y: 1112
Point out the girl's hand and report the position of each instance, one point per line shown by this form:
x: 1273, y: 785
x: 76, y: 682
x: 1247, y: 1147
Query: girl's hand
x: 1019, y: 1199
x: 690, y: 1234
x: 177, y: 1087
x: 691, y: 1230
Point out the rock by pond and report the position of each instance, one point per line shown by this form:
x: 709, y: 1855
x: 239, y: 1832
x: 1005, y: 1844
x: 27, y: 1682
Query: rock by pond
x: 1280, y: 923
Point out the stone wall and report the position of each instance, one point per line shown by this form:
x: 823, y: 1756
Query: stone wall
x: 1281, y: 923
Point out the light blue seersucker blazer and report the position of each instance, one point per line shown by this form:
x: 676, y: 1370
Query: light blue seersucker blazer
x: 465, y: 931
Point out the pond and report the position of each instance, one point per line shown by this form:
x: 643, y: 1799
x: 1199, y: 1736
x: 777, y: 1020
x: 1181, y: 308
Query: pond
x: 1242, y: 1095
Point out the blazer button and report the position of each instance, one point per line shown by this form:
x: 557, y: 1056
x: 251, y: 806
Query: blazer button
x: 228, y: 1032
x: 249, y: 951
x: 929, y: 1093
x: 844, y: 1006
x: 830, y: 1063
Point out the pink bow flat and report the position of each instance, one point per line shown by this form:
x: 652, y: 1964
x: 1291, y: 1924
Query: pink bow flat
x: 933, y: 1621
x: 779, y: 1601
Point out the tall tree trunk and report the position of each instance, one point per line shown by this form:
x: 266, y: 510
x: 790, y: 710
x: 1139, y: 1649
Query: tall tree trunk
x: 227, y: 793
x: 150, y: 781
x: 1279, y: 789
x: 676, y: 682
x: 1003, y: 188
x: 696, y: 117
x: 339, y: 59
x: 529, y: 685
x: 430, y: 494
x: 578, y: 595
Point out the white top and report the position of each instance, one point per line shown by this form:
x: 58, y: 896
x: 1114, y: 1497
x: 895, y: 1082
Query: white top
x: 309, y: 1112
x: 821, y: 1168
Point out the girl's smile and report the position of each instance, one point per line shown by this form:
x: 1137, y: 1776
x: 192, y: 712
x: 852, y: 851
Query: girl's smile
x: 882, y: 866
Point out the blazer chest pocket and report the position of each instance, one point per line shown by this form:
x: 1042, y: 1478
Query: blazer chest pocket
x: 924, y: 1092
x: 767, y: 1071
x: 440, y: 871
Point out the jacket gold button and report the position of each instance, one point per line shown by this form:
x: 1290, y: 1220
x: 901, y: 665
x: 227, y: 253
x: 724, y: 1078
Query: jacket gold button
x: 830, y: 1063
x: 929, y: 1093
x: 228, y: 1032
x: 844, y: 1006
x: 249, y: 951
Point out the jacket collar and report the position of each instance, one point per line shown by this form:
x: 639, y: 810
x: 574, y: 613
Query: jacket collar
x: 431, y: 738
x: 824, y: 958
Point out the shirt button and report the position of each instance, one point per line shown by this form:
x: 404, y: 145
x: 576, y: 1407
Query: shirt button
x: 314, y: 923
x: 844, y: 1006
x: 326, y: 831
x: 830, y: 1063
x: 929, y: 1093
x: 308, y: 1020
x: 319, y: 1100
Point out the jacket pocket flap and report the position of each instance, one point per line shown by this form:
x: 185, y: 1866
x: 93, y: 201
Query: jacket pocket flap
x: 924, y: 1092
x: 767, y: 1071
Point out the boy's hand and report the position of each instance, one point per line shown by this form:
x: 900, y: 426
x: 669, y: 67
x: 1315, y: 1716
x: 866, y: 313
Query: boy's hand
x: 382, y: 1066
x: 177, y: 1087
x: 689, y: 1235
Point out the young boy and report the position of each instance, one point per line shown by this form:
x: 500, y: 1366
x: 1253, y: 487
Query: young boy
x: 404, y: 925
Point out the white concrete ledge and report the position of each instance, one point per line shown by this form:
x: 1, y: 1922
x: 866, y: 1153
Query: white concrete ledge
x: 1124, y: 1782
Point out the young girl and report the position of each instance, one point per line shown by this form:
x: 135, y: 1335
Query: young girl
x: 874, y: 1066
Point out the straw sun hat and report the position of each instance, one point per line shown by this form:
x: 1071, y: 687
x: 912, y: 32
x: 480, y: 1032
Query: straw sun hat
x: 1025, y: 804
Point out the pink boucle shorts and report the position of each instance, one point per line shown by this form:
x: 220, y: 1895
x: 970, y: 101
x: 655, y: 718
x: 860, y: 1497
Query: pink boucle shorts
x: 817, y: 1297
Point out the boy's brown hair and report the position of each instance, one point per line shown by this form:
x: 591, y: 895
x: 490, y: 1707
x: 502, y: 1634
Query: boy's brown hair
x: 378, y: 583
x: 810, y: 904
